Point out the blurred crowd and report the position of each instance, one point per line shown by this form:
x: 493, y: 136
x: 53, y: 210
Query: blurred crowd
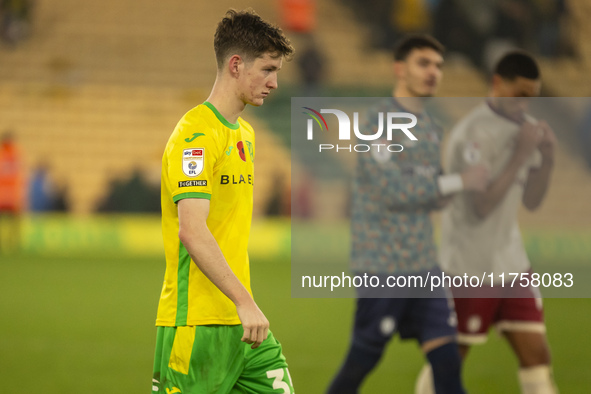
x: 475, y: 29
x: 15, y: 20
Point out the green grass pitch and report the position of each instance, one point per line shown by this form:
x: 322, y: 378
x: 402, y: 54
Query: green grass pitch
x: 86, y: 325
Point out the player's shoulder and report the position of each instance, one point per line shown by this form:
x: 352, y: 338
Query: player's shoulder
x: 245, y: 125
x: 198, y: 122
x: 247, y: 130
x: 476, y: 123
x: 482, y: 113
x: 199, y: 117
x: 433, y: 122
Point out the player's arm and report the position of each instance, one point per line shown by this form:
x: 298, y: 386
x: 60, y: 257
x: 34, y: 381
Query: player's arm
x: 485, y: 202
x: 472, y: 178
x: 539, y: 177
x: 205, y: 252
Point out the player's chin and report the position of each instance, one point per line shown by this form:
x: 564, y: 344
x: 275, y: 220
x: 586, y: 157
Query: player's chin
x: 257, y: 102
x: 427, y: 94
x: 429, y: 91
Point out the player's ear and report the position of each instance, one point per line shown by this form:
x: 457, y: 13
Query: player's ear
x: 234, y: 65
x: 497, y: 82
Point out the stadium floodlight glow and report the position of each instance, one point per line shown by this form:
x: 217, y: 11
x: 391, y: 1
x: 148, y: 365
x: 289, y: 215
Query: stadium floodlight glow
x: 345, y: 124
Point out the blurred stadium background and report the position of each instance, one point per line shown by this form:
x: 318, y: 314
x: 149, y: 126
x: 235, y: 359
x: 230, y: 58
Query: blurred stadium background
x: 90, y: 91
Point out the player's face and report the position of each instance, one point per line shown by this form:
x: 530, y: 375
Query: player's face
x: 421, y: 72
x: 518, y: 91
x: 518, y: 87
x: 259, y: 78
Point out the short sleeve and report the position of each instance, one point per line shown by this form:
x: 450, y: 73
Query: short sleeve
x: 191, y: 164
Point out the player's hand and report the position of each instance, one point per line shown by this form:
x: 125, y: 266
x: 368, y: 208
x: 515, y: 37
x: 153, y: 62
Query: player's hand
x: 547, y: 142
x: 476, y: 178
x: 255, y: 324
x: 528, y: 139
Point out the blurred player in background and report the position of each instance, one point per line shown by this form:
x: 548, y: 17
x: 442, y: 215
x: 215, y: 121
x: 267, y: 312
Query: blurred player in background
x: 12, y: 194
x: 207, y: 318
x: 480, y: 231
x: 393, y: 194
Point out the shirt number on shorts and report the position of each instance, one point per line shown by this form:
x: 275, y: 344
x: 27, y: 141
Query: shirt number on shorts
x: 278, y: 383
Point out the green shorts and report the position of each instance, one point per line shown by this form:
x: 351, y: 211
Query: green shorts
x: 213, y: 359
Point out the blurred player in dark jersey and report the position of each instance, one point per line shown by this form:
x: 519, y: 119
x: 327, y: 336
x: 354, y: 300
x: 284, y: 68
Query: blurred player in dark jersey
x: 393, y: 194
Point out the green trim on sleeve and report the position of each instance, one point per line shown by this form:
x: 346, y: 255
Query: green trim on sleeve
x: 179, y: 197
x: 233, y: 126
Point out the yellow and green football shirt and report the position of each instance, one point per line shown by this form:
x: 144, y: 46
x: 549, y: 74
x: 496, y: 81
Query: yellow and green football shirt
x: 206, y: 157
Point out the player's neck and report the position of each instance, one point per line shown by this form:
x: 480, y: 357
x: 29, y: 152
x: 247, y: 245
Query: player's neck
x: 493, y: 103
x: 409, y: 101
x: 230, y: 106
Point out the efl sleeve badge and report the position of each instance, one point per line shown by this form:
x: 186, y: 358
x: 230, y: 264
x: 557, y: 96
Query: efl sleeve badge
x: 193, y: 161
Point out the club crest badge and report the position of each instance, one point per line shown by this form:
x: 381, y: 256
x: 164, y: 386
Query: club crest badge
x: 193, y: 161
x: 381, y: 155
x: 250, y: 150
x: 472, y: 153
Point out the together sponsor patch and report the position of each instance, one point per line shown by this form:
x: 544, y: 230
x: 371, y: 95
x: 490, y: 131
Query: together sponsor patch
x: 192, y: 183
